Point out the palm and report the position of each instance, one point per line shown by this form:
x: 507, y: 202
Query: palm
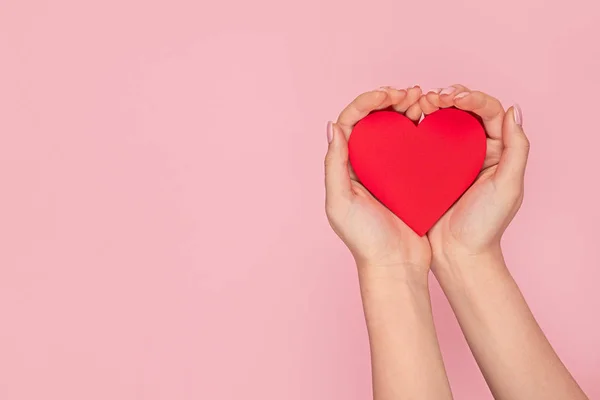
x: 470, y: 221
x: 380, y: 233
x: 463, y: 222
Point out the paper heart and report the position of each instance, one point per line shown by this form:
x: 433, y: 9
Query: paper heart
x: 418, y: 172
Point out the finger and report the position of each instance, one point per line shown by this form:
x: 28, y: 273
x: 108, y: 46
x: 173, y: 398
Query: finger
x: 337, y: 176
x: 414, y: 112
x: 361, y: 107
x: 446, y: 98
x: 396, y: 95
x: 493, y: 152
x: 513, y: 161
x: 412, y: 96
x: 487, y: 107
x: 430, y: 101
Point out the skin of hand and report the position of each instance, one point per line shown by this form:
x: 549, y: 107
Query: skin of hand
x: 374, y: 235
x: 476, y: 222
x: 515, y: 357
x: 393, y: 264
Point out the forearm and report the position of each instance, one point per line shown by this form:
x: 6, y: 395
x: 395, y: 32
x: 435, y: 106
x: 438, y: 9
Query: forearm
x: 406, y: 359
x: 514, y: 355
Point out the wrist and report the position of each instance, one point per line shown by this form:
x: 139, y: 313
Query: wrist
x: 385, y: 291
x: 462, y: 268
x: 392, y: 275
x: 456, y: 256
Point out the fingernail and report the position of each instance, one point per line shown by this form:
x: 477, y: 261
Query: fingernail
x: 518, y: 114
x: 448, y: 90
x: 382, y: 89
x: 329, y: 132
x: 434, y: 90
x: 461, y: 95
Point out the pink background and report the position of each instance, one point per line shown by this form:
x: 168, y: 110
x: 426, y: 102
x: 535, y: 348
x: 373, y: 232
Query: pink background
x: 162, y: 232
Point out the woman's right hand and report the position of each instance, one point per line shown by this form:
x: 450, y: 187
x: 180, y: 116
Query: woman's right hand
x: 475, y: 223
x: 374, y: 235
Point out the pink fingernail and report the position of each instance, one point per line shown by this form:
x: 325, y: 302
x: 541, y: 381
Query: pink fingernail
x: 461, y: 95
x: 434, y: 90
x: 448, y: 90
x: 518, y: 114
x: 382, y: 89
x: 329, y: 132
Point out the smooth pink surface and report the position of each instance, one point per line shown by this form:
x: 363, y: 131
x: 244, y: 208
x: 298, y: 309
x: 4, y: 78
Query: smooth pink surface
x: 162, y: 232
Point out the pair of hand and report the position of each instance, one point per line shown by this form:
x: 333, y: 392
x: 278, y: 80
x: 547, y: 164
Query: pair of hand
x: 472, y: 226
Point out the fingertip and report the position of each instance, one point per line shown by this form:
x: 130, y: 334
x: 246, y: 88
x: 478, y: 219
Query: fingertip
x: 469, y: 101
x: 432, y: 95
x: 414, y: 112
x: 517, y: 114
x: 427, y: 106
x: 381, y: 93
x: 463, y: 101
x: 383, y: 98
x: 511, y: 119
x: 335, y: 130
x: 340, y: 138
x: 461, y: 96
x: 418, y: 89
x: 448, y: 91
x: 433, y: 98
x: 411, y: 97
x: 397, y: 95
x: 413, y: 94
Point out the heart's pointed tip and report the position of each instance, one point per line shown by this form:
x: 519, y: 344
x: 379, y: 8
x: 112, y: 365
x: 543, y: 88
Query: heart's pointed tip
x: 421, y: 232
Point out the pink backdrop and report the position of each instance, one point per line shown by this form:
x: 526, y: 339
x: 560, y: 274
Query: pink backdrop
x: 162, y: 232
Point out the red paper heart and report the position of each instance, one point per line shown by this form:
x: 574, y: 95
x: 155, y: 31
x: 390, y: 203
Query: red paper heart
x: 418, y: 172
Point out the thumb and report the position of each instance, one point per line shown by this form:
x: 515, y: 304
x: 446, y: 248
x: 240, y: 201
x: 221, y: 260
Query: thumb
x: 513, y: 161
x: 337, y: 176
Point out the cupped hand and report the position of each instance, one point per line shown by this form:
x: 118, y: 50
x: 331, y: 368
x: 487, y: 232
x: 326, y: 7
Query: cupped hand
x: 374, y: 235
x: 475, y: 223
